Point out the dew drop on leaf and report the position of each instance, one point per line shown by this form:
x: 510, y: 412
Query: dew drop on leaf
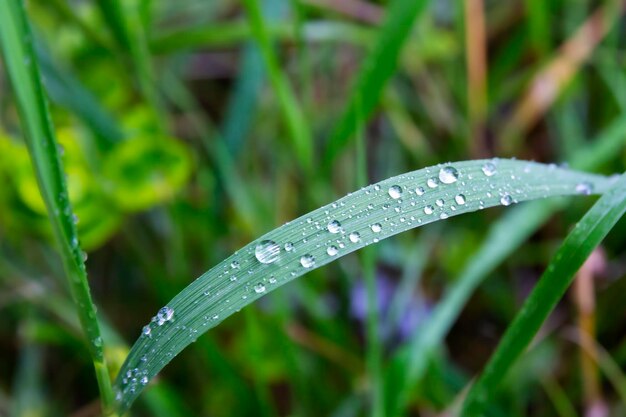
x: 376, y: 227
x: 395, y: 192
x: 429, y: 209
x: 460, y: 199
x: 164, y: 315
x: 584, y: 188
x: 334, y: 226
x: 432, y: 182
x: 146, y: 330
x: 332, y: 250
x: 267, y: 251
x: 419, y: 191
x: 307, y: 261
x: 489, y: 169
x: 439, y: 202
x: 234, y: 265
x: 506, y: 200
x: 288, y: 246
x: 448, y: 175
x: 355, y: 237
x: 259, y: 288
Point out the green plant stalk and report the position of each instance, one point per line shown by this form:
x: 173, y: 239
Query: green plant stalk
x: 294, y: 117
x: 578, y: 245
x: 23, y: 70
x: 368, y: 260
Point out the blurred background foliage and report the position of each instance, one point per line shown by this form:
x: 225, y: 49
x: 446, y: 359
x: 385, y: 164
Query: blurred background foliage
x: 189, y: 128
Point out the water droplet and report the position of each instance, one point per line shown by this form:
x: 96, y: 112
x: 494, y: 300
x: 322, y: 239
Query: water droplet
x: 334, y: 226
x: 506, y: 200
x: 419, y: 191
x: 448, y: 175
x: 376, y: 227
x: 144, y: 380
x: 146, y: 330
x: 395, y: 192
x: 288, y: 246
x: 259, y: 288
x: 489, y: 169
x: 354, y: 237
x: 164, y: 315
x: 460, y: 199
x: 272, y: 280
x: 97, y: 341
x: 307, y: 261
x: 267, y: 251
x: 234, y: 265
x: 429, y: 209
x: 443, y: 216
x: 439, y: 202
x: 584, y: 188
x: 377, y: 187
x: 332, y: 250
x: 432, y: 182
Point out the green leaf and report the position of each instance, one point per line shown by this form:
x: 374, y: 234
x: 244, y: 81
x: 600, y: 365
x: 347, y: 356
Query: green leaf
x: 374, y: 212
x: 23, y: 70
x: 578, y: 245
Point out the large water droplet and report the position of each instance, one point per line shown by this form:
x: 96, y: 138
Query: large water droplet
x: 448, y: 175
x: 419, y: 191
x: 354, y: 237
x: 267, y: 251
x: 259, y: 288
x: 395, y: 192
x: 432, y: 182
x: 439, y: 202
x: 489, y: 169
x: 332, y: 250
x: 307, y: 261
x: 164, y: 315
x: 334, y: 226
x: 506, y: 200
x: 460, y: 199
x: 376, y: 227
x: 584, y: 188
x: 429, y: 209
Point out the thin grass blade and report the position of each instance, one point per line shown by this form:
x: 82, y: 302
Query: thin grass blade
x: 361, y: 218
x: 23, y: 70
x: 578, y: 245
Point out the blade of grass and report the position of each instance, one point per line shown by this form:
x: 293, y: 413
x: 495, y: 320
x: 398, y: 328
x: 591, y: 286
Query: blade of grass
x: 578, y: 245
x: 369, y: 257
x: 292, y: 112
x: 23, y: 69
x: 372, y: 212
x: 377, y: 69
x: 503, y: 239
